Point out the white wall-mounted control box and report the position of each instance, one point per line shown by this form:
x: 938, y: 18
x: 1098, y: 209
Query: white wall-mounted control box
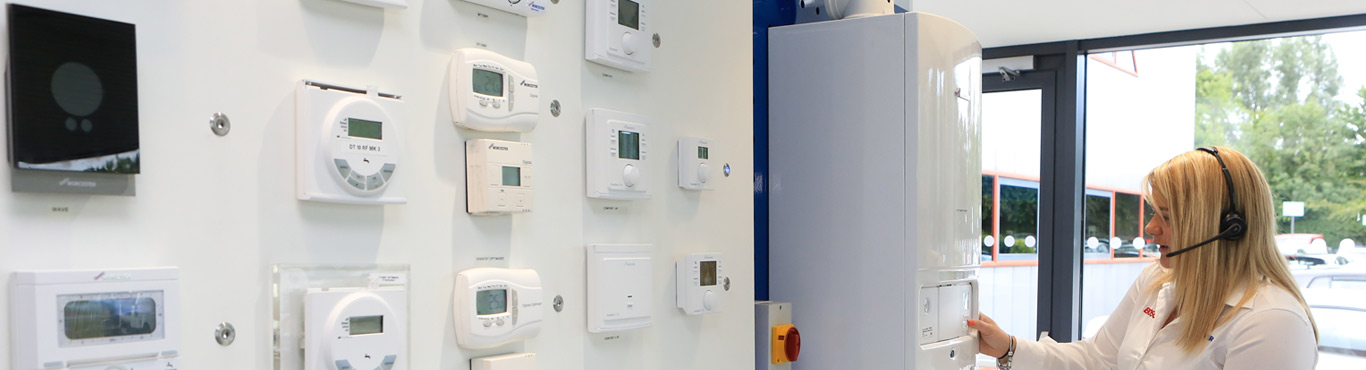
x: 620, y: 281
x: 495, y: 306
x: 511, y: 361
x: 356, y: 328
x: 694, y: 164
x: 702, y: 283
x: 396, y: 4
x: 498, y: 177
x: 117, y: 319
x: 491, y: 92
x: 348, y: 144
x: 617, y: 33
x: 525, y: 8
x: 617, y: 155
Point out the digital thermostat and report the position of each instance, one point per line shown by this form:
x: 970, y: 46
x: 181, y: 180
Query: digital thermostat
x: 491, y: 92
x: 617, y: 33
x: 355, y: 328
x: 119, y: 319
x: 701, y: 283
x: 694, y: 164
x: 348, y: 144
x: 525, y: 8
x: 497, y: 177
x: 618, y: 148
x: 620, y: 287
x: 495, y: 306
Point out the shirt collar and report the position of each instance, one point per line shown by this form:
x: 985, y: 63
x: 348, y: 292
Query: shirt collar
x: 1236, y: 295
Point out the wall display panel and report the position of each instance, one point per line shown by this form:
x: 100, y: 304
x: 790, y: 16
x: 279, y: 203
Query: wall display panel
x: 224, y: 209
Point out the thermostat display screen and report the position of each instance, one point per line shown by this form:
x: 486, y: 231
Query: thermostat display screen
x: 701, y: 152
x: 356, y: 127
x: 628, y: 13
x: 628, y: 144
x: 512, y: 176
x: 488, y: 82
x: 111, y: 317
x: 489, y: 302
x: 361, y: 325
x: 708, y: 273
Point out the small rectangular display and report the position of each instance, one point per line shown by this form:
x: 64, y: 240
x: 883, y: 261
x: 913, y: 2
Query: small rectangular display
x: 628, y: 13
x: 708, y: 273
x: 492, y: 301
x: 356, y: 127
x: 701, y: 152
x: 110, y: 317
x: 628, y: 145
x: 512, y: 176
x: 488, y: 82
x: 361, y: 325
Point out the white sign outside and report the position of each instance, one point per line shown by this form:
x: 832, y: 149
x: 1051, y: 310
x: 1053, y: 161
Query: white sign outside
x: 1292, y: 209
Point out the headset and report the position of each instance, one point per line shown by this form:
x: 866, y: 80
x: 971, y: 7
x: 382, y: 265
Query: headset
x: 1232, y: 226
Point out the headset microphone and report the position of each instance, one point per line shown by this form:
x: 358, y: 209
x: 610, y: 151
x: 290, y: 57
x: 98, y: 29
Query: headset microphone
x: 1231, y: 223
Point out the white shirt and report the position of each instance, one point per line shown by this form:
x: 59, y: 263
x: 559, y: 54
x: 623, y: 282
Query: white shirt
x: 1270, y: 331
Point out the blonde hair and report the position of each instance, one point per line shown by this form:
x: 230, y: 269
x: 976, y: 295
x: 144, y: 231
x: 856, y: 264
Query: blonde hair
x: 1193, y: 187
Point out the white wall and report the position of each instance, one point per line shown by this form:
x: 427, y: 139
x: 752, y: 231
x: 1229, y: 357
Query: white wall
x: 223, y: 208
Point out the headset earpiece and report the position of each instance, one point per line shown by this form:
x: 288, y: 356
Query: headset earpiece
x: 1234, y: 226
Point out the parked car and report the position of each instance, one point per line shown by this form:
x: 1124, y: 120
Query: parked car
x: 1301, y: 244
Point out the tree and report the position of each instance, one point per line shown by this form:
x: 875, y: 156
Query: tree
x: 1275, y: 100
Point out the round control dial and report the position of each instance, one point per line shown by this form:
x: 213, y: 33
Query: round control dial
x: 360, y: 147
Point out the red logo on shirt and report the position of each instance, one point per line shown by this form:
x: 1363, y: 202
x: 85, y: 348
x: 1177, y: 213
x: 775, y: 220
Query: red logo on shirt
x: 1150, y: 312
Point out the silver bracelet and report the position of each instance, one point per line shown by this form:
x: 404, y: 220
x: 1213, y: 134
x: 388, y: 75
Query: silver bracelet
x: 1005, y: 361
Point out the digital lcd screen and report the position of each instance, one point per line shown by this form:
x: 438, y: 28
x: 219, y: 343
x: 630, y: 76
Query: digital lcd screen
x: 489, y: 302
x: 701, y: 152
x: 628, y: 13
x: 361, y: 325
x: 512, y: 176
x: 112, y: 317
x: 708, y: 273
x: 356, y: 127
x: 628, y: 145
x: 488, y: 82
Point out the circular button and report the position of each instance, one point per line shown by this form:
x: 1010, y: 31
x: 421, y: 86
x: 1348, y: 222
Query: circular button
x: 630, y: 175
x: 703, y: 173
x: 793, y: 347
x: 709, y: 300
x: 488, y: 324
x: 626, y: 44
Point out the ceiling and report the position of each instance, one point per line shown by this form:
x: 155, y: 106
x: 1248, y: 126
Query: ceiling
x: 1018, y: 22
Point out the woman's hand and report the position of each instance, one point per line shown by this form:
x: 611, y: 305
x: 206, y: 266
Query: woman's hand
x: 991, y: 340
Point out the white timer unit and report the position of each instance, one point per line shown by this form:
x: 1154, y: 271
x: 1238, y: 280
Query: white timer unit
x: 498, y: 177
x: 620, y: 287
x: 694, y: 164
x: 491, y: 92
x: 496, y: 306
x: 95, y: 319
x: 356, y: 328
x: 618, y: 149
x: 702, y: 281
x: 525, y: 8
x: 349, y: 143
x: 617, y: 33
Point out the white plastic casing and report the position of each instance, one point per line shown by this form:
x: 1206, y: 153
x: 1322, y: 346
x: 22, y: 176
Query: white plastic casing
x: 525, y: 8
x: 38, y: 337
x: 487, y: 190
x: 510, y: 101
x: 396, y: 4
x: 619, y: 287
x: 522, y: 306
x: 908, y: 191
x: 332, y: 165
x: 511, y: 361
x: 328, y: 342
x: 695, y: 171
x: 609, y: 38
x: 702, y: 283
x: 610, y: 138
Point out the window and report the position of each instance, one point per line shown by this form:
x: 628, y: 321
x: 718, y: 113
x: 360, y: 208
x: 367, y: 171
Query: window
x: 1295, y: 105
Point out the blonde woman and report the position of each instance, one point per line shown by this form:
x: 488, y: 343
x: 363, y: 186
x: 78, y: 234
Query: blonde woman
x: 1220, y: 297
